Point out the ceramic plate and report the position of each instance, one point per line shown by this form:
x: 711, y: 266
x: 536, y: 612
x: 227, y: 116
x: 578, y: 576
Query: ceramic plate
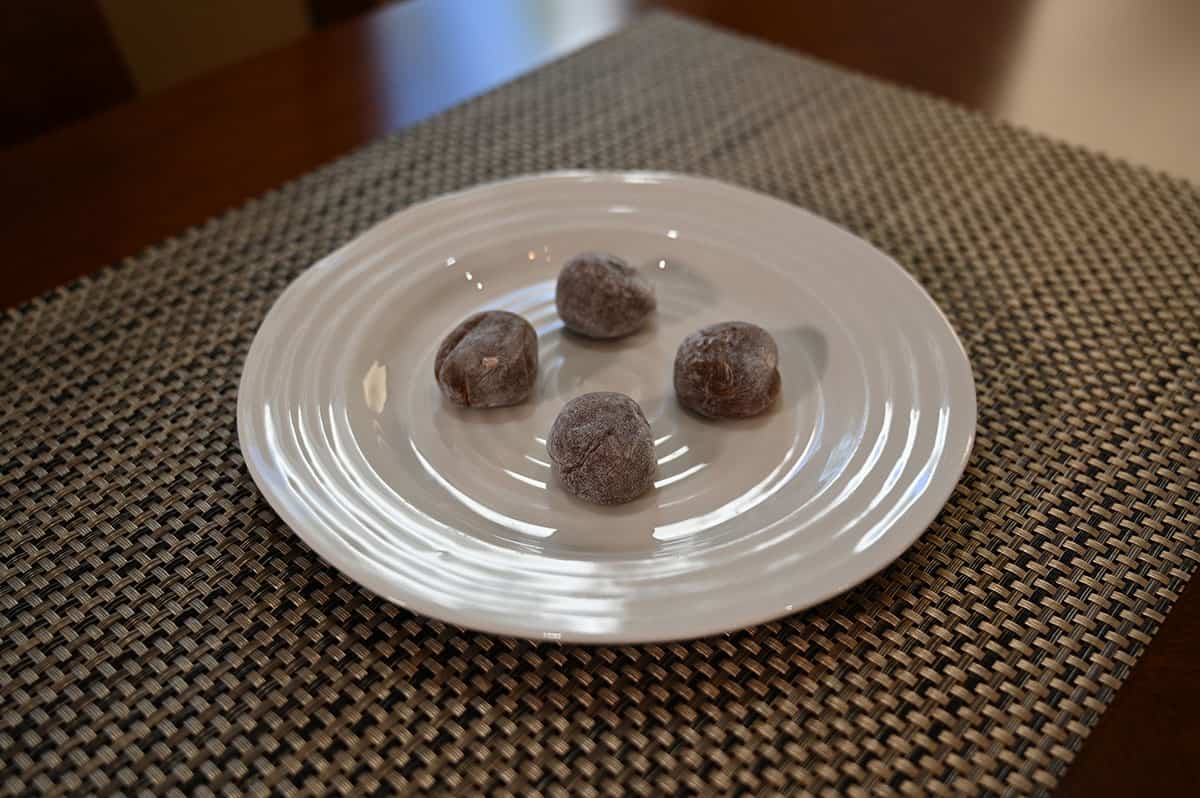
x: 455, y: 513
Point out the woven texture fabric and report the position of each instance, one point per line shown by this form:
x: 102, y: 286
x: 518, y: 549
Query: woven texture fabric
x: 162, y: 630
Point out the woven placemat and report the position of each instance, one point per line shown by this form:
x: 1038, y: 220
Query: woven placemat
x: 162, y: 630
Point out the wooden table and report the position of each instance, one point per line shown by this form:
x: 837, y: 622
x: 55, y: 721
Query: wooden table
x: 95, y: 192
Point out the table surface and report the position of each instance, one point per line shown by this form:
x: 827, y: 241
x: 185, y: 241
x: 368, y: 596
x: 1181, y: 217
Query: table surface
x: 101, y: 190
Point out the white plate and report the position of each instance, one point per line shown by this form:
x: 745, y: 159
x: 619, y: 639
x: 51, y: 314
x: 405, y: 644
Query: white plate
x: 455, y: 514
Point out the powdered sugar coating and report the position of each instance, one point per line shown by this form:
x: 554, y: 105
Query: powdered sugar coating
x: 488, y: 360
x: 727, y: 370
x: 602, y: 296
x: 602, y: 448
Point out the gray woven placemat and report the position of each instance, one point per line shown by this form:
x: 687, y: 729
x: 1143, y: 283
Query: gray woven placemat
x: 160, y: 629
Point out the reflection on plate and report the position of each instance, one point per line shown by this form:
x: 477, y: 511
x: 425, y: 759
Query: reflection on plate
x: 455, y: 514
